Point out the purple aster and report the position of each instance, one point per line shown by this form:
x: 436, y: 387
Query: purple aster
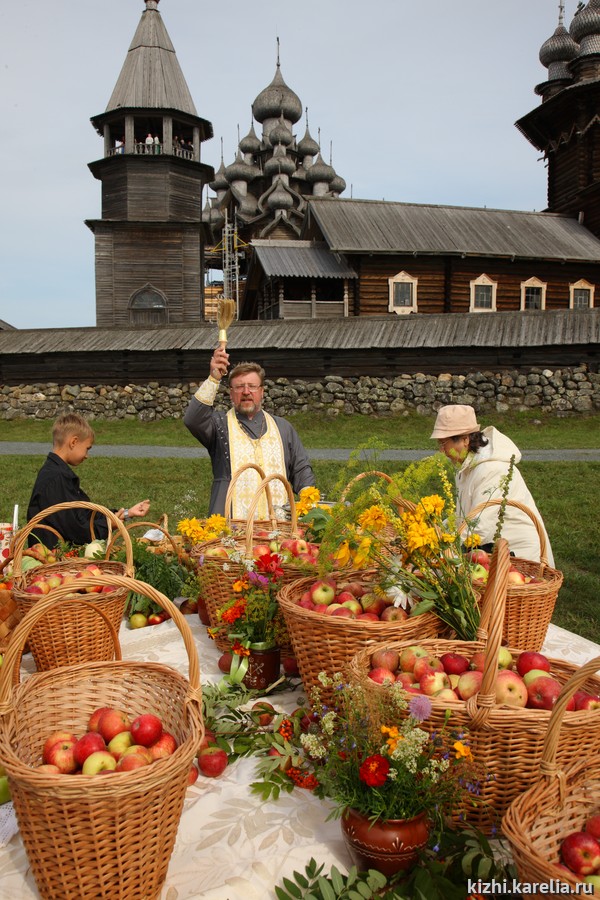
x: 420, y: 708
x: 259, y: 580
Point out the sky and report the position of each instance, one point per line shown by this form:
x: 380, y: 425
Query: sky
x: 417, y: 98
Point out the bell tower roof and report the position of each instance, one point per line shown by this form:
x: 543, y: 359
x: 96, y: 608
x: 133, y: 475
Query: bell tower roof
x: 151, y: 77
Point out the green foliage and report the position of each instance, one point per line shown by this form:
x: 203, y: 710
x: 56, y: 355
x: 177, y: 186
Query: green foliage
x: 315, y: 885
x: 162, y: 571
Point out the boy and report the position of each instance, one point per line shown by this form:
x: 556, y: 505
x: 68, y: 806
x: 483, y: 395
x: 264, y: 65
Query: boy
x: 72, y: 439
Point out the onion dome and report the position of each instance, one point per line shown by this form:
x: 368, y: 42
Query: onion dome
x: 585, y: 28
x: 300, y: 174
x: 280, y: 198
x: 220, y: 182
x: 248, y: 206
x: 239, y: 170
x: 337, y: 185
x: 281, y: 134
x: 320, y: 171
x: 250, y: 143
x: 556, y: 52
x: 279, y: 162
x: 277, y: 99
x: 308, y: 146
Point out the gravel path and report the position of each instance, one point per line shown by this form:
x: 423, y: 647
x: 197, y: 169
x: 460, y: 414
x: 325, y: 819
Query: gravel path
x: 137, y: 451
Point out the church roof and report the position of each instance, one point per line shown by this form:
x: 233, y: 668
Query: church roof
x: 383, y: 227
x: 300, y: 259
x: 151, y: 77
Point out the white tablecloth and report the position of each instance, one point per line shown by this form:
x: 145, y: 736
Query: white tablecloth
x: 231, y: 845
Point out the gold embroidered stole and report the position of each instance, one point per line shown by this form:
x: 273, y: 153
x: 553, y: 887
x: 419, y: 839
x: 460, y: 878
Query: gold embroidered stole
x: 266, y: 452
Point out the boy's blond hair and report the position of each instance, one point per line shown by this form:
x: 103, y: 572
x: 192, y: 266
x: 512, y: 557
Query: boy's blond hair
x: 70, y: 424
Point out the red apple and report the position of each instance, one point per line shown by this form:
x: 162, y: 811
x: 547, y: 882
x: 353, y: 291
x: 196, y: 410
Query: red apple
x: 219, y: 552
x: 342, y: 612
x: 371, y: 603
x: 212, y: 761
x: 386, y: 658
x: 592, y: 826
x: 511, y: 690
x: 368, y: 617
x: 409, y: 656
x: 543, y: 692
x: 224, y: 662
x: 479, y: 558
x: 427, y: 664
x: 155, y: 619
x: 591, y: 701
x: 55, y: 738
x: 131, y: 762
x: 290, y: 665
x: 355, y: 588
x: 479, y: 573
x: 432, y: 682
x: 260, y: 550
x: 193, y: 775
x: 89, y: 743
x: 306, y: 603
x: 515, y: 577
x: 469, y: 683
x: 61, y: 755
x: 353, y: 605
x: 263, y: 712
x: 146, y: 729
x: 447, y: 694
x: 112, y: 722
x: 581, y: 853
x: 98, y: 762
x: 95, y: 718
x: 454, y: 663
x: 530, y: 659
x: 208, y: 739
x: 48, y: 769
x: 393, y: 614
x: 530, y: 676
x: 322, y: 592
x: 405, y: 679
x: 138, y: 750
x: 381, y: 676
x: 477, y: 661
x: 345, y: 596
x: 286, y: 762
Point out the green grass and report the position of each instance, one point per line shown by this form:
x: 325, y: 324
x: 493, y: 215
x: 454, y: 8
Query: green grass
x: 401, y: 432
x: 567, y: 494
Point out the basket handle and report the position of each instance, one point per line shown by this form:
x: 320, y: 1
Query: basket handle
x: 79, y: 600
x: 21, y: 632
x: 493, y: 603
x: 79, y: 504
x: 110, y: 546
x: 360, y: 477
x: 264, y: 486
x: 537, y: 523
x: 234, y: 478
x: 548, y: 767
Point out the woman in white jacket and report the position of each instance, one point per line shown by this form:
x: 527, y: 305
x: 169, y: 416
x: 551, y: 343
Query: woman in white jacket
x: 482, y: 460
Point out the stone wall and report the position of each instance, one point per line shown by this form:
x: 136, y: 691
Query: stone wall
x: 560, y: 392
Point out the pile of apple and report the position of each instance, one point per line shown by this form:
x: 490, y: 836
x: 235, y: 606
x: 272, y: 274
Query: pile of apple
x: 580, y: 852
x: 350, y: 600
x: 43, y: 584
x: 454, y: 676
x: 480, y: 565
x: 112, y: 743
x: 289, y: 549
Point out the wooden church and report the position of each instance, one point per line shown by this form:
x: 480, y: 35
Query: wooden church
x: 149, y: 243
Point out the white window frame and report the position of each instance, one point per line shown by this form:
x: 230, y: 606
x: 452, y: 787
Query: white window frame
x: 536, y: 283
x: 585, y: 285
x: 402, y: 278
x: 486, y: 280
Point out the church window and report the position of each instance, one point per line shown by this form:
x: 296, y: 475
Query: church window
x: 148, y: 306
x: 533, y: 294
x: 581, y: 295
x: 483, y: 294
x: 402, y: 293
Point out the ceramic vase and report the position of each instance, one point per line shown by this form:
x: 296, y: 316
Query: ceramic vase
x: 263, y: 668
x: 389, y: 847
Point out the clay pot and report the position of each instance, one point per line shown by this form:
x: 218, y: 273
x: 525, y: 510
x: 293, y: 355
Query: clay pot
x: 389, y: 847
x: 264, y: 667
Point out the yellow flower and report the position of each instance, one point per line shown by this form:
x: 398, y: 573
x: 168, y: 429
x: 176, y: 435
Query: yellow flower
x: 462, y: 751
x: 472, y: 540
x: 433, y: 505
x: 307, y: 499
x: 394, y: 736
x: 362, y: 554
x: 343, y: 555
x: 238, y: 586
x: 373, y: 519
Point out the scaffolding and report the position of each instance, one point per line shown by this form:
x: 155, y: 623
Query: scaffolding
x: 229, y: 248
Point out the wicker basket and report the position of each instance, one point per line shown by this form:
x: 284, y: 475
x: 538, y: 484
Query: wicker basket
x: 507, y: 740
x: 241, y: 525
x: 328, y: 643
x: 86, y: 836
x: 218, y: 575
x: 558, y: 803
x: 529, y: 607
x: 67, y: 636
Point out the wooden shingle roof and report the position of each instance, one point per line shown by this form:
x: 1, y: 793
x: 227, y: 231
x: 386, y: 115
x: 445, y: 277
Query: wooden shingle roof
x: 151, y: 77
x: 531, y: 328
x: 382, y: 227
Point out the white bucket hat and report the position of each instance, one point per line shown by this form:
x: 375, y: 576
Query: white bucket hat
x: 455, y: 420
